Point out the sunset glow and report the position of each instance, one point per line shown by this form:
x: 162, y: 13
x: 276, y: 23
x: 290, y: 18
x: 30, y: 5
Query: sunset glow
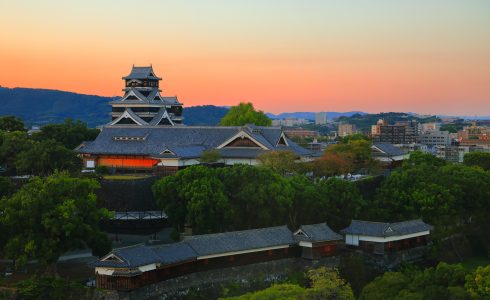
x: 426, y: 56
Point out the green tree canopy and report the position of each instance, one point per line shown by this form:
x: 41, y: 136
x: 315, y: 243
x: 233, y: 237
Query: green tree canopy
x: 232, y: 198
x: 11, y: 144
x: 44, y: 157
x: 480, y: 159
x: 324, y: 284
x: 210, y: 156
x: 442, y: 282
x: 70, y: 133
x: 245, y: 113
x: 50, y: 216
x: 450, y: 196
x: 282, y: 162
x: 11, y: 123
x: 478, y: 282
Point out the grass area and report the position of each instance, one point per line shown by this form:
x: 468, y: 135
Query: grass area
x: 125, y: 177
x: 474, y: 262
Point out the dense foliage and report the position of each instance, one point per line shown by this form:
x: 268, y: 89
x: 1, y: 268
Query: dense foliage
x: 50, y: 216
x: 352, y: 154
x: 53, y: 288
x: 442, y: 282
x: 11, y: 123
x: 45, y: 151
x: 244, y: 197
x: 453, y: 197
x: 323, y: 284
x: 245, y: 113
x: 480, y: 159
x: 70, y: 133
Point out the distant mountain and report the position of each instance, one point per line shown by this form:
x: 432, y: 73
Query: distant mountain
x: 41, y: 106
x: 311, y: 115
x: 204, y: 115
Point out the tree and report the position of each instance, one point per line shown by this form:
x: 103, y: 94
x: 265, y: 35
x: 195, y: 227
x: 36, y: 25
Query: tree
x: 453, y: 197
x: 70, y: 133
x: 324, y: 284
x: 223, y: 199
x: 12, y: 143
x: 478, y: 282
x: 347, y: 157
x: 245, y: 113
x: 259, y: 197
x: 284, y: 291
x: 11, y: 123
x: 6, y: 186
x: 282, y: 162
x: 442, y: 282
x: 353, y: 137
x: 387, y: 286
x: 332, y: 164
x: 341, y: 201
x: 480, y: 159
x: 327, y: 284
x: 207, y: 205
x: 50, y: 216
x: 210, y: 156
x: 44, y: 157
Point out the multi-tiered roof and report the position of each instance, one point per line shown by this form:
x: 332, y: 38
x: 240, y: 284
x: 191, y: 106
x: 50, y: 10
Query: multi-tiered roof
x: 142, y: 103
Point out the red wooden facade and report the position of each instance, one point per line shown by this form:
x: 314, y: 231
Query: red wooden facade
x: 126, y: 281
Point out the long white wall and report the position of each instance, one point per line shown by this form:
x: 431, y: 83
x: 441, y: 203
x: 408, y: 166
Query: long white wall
x: 353, y: 239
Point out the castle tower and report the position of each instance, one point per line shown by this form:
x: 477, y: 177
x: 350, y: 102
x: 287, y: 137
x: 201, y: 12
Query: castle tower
x: 142, y: 103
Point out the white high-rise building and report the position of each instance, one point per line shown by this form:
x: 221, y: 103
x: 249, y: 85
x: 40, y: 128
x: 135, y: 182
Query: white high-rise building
x: 320, y: 118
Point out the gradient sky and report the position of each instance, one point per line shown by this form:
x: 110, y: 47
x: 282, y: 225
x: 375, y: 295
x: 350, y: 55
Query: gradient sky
x: 426, y: 56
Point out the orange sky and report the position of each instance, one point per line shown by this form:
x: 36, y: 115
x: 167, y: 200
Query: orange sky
x: 426, y: 56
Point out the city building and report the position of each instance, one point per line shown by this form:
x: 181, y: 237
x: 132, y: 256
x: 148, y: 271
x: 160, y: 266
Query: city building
x: 381, y: 238
x: 301, y: 133
x: 401, y: 133
x: 474, y: 135
x: 455, y: 153
x: 346, y: 129
x: 435, y: 138
x: 429, y: 127
x: 320, y: 118
x: 290, y: 122
x: 142, y: 104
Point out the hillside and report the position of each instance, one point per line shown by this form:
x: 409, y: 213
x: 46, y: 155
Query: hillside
x: 41, y: 106
x: 331, y: 115
x: 364, y: 122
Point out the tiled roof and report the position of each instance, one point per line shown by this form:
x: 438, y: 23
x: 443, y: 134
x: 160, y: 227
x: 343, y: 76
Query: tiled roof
x: 183, y: 141
x: 389, y: 149
x: 141, y: 73
x: 386, y: 229
x: 211, y: 244
x: 141, y: 255
x: 199, y: 245
x: 317, y: 233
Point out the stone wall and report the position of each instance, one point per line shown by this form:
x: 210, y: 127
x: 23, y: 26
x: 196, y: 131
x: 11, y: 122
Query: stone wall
x: 210, y: 284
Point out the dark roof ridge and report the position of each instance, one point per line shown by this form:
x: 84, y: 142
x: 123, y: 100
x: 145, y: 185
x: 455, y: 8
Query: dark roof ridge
x: 130, y: 246
x: 235, y: 231
x: 387, y: 223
